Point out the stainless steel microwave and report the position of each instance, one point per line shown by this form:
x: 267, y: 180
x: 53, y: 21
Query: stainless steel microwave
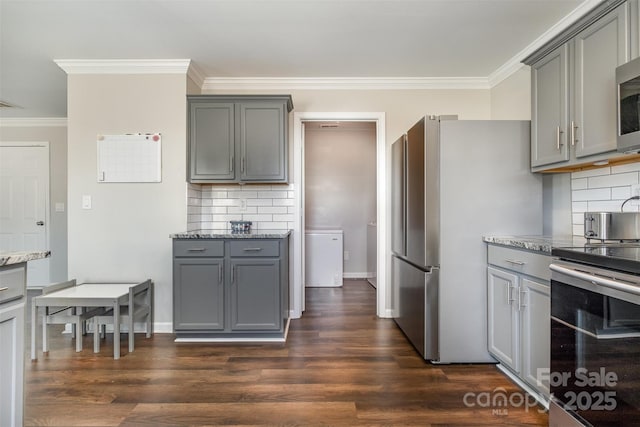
x: 628, y: 105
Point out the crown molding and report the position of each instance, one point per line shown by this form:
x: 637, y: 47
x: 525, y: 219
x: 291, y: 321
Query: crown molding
x: 196, y: 74
x: 33, y: 122
x: 343, y: 83
x: 124, y: 66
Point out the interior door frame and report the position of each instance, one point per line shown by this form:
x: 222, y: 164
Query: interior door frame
x: 47, y: 203
x: 382, y: 210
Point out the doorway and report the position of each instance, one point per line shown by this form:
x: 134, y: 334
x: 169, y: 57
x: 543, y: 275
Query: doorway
x: 24, y: 212
x: 340, y: 200
x: 381, y: 215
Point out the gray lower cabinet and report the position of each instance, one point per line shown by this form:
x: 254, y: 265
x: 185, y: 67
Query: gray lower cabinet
x: 12, y: 329
x: 573, y: 98
x: 518, y: 296
x: 236, y: 139
x: 230, y: 287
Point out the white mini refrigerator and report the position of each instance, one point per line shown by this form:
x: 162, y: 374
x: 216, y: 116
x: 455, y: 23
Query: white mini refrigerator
x: 323, y: 258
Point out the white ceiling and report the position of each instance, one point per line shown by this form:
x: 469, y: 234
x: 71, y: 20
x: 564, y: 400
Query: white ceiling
x: 267, y: 38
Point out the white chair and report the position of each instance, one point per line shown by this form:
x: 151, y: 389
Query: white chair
x: 76, y: 316
x: 139, y: 307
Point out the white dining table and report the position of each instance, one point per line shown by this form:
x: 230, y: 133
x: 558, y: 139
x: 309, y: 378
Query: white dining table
x: 84, y: 295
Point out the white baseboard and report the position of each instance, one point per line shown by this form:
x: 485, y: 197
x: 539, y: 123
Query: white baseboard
x: 355, y: 275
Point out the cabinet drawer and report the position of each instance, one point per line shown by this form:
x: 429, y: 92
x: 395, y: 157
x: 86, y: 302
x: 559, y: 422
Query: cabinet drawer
x: 530, y: 263
x: 198, y: 248
x: 12, y: 282
x: 254, y: 248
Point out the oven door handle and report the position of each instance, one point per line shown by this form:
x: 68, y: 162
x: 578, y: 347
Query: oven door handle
x: 598, y: 280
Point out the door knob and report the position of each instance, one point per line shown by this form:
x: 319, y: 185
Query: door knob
x: 40, y: 223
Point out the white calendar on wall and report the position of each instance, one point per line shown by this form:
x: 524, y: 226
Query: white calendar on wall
x: 130, y: 158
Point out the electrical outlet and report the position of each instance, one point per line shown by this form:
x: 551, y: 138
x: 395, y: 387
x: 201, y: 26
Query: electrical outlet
x: 243, y: 204
x: 635, y: 190
x: 346, y: 255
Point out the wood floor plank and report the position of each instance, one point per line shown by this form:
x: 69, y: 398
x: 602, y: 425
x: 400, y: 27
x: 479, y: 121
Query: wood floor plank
x: 341, y: 365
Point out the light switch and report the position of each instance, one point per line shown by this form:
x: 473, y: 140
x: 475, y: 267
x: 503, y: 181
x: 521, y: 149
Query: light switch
x: 86, y: 202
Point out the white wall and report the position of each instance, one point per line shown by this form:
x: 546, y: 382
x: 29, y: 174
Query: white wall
x: 57, y: 138
x: 511, y: 98
x: 125, y: 236
x: 340, y: 186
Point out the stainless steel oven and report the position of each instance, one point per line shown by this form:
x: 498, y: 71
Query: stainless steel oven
x: 595, y: 336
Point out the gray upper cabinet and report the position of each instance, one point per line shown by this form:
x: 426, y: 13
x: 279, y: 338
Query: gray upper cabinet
x: 550, y: 108
x: 598, y: 50
x: 573, y: 90
x: 235, y: 139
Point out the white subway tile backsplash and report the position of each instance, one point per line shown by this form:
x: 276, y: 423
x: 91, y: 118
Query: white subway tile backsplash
x: 268, y: 206
x: 594, y: 194
x: 283, y: 202
x: 225, y: 202
x: 579, y: 207
x: 605, y: 190
x: 579, y: 184
x: 613, y: 180
x: 621, y: 193
x: 242, y: 194
x: 259, y: 202
x: 605, y: 206
x: 591, y: 172
x: 247, y: 210
x: 629, y: 167
x: 273, y: 194
x: 272, y: 209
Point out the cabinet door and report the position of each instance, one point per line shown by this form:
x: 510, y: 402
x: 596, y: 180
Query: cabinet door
x: 598, y: 50
x: 549, y: 101
x: 503, y: 319
x: 211, y: 141
x: 12, y: 364
x: 536, y: 326
x: 198, y: 294
x: 262, y: 128
x: 255, y: 294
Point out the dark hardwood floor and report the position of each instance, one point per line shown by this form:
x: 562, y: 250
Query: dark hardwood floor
x: 341, y: 365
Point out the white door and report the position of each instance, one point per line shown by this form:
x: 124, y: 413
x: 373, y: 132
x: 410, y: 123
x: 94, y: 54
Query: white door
x: 24, y: 201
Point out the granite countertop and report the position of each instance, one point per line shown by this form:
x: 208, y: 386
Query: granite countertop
x: 8, y: 258
x: 536, y: 243
x: 220, y: 234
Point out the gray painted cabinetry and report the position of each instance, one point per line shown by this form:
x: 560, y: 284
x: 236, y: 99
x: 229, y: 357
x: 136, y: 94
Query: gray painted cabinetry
x: 227, y: 288
x: 573, y: 96
x: 519, y: 310
x: 13, y: 281
x: 235, y: 139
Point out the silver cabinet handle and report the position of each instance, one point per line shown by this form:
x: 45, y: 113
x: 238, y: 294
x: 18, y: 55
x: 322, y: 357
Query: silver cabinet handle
x: 231, y: 164
x: 196, y: 249
x: 558, y: 132
x: 512, y: 261
x: 510, y: 298
x: 4, y: 289
x: 521, y: 299
x: 40, y: 223
x: 573, y: 133
x: 233, y: 273
x: 252, y: 249
x: 242, y: 165
x: 220, y: 273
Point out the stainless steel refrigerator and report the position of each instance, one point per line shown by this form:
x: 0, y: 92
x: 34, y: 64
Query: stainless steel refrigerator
x: 454, y: 181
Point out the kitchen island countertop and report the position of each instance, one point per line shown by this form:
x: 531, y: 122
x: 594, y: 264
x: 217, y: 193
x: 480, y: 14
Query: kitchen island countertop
x: 221, y: 234
x: 536, y: 243
x: 9, y: 258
